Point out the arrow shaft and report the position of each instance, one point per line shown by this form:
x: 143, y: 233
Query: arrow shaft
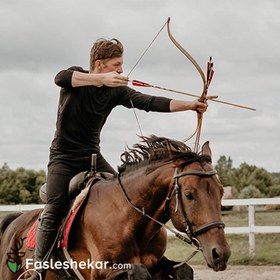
x: 139, y: 83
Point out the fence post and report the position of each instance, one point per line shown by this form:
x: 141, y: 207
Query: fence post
x: 251, y: 231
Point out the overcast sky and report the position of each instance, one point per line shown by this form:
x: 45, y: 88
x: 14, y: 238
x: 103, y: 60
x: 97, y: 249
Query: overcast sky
x: 39, y: 38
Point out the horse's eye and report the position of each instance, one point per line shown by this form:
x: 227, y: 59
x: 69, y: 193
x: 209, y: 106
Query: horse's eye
x: 189, y: 195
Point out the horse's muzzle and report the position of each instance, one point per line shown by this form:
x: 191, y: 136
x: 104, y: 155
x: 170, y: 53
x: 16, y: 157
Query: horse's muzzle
x: 219, y: 257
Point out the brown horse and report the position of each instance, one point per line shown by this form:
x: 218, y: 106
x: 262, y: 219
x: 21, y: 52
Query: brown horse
x: 121, y: 227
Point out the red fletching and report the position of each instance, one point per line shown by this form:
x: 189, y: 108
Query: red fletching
x: 210, y: 77
x: 139, y: 83
x: 208, y: 70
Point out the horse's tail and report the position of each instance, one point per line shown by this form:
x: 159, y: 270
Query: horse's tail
x: 6, y: 221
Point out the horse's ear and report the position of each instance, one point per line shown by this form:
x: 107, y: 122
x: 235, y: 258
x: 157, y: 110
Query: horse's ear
x: 171, y: 149
x: 206, y: 151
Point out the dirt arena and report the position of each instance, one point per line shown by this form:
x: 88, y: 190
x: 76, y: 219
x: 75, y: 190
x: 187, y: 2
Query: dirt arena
x: 238, y: 273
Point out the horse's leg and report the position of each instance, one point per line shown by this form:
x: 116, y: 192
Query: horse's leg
x: 165, y: 270
x: 136, y: 272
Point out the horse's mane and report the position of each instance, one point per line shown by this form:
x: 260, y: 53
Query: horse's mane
x: 154, y: 149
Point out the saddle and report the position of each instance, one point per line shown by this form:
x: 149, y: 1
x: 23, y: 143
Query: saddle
x: 77, y: 183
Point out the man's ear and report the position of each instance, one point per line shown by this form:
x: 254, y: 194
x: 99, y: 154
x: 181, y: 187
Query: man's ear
x: 98, y: 64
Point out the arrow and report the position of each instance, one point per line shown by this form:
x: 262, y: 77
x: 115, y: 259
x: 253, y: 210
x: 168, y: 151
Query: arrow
x: 211, y: 98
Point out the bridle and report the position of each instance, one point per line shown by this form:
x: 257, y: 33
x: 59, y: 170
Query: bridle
x: 176, y: 190
x: 179, y: 203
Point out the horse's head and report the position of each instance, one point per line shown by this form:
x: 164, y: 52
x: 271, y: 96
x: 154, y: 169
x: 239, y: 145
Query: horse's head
x: 195, y: 206
x: 193, y: 191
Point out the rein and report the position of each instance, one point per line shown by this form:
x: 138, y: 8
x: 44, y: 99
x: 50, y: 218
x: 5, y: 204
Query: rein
x: 191, y: 235
x: 143, y: 212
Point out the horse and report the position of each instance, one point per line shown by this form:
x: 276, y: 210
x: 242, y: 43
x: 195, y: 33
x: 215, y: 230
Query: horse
x: 122, y: 226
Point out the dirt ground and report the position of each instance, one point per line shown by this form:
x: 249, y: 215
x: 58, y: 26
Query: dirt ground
x: 238, y: 273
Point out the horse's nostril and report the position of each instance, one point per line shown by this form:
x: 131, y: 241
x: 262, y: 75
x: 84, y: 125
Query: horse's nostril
x: 215, y: 254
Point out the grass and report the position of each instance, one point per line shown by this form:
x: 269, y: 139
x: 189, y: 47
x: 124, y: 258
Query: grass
x: 262, y: 218
x: 266, y: 251
x: 267, y: 246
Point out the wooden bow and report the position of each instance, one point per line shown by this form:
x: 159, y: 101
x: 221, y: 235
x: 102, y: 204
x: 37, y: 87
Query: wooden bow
x: 203, y: 96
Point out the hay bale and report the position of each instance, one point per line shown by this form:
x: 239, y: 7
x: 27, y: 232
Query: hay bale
x: 230, y: 192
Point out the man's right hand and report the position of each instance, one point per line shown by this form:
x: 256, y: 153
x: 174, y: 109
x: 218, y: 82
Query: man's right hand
x: 113, y: 79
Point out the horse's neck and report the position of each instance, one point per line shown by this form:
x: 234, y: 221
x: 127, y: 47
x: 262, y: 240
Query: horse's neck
x: 148, y: 191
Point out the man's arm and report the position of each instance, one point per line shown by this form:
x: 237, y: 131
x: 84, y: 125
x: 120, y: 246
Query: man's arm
x: 110, y: 79
x: 178, y: 105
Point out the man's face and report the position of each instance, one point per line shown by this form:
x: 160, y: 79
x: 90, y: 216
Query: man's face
x: 112, y: 64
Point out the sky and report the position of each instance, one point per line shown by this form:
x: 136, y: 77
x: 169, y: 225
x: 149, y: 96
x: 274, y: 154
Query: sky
x: 40, y: 38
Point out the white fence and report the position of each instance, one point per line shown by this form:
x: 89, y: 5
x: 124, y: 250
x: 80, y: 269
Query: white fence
x: 20, y: 207
x: 251, y: 229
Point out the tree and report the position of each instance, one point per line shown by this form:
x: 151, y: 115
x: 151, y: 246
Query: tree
x: 250, y: 192
x: 20, y: 185
x: 274, y: 191
x: 224, y: 169
x: 245, y: 175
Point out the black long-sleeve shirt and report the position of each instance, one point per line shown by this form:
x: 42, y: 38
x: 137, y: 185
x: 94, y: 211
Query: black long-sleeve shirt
x: 82, y: 112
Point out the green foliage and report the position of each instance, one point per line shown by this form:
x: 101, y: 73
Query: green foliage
x: 274, y: 191
x: 20, y: 186
x: 245, y: 175
x: 224, y: 169
x: 250, y: 192
x: 275, y: 178
x: 251, y: 175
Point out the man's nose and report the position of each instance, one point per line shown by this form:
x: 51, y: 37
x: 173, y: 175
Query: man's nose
x: 120, y: 69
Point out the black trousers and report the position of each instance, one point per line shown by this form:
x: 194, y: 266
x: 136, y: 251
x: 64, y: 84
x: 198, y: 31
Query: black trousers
x: 61, y: 169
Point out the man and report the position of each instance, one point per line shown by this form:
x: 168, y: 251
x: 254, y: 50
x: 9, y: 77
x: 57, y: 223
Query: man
x: 86, y: 100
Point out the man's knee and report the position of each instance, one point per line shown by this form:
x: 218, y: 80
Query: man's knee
x: 51, y: 216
